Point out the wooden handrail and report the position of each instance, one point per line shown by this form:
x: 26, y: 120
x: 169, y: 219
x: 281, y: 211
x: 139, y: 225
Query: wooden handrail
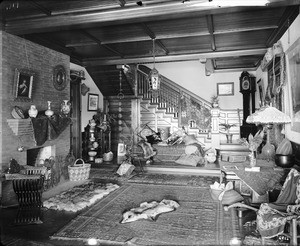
x: 169, y: 93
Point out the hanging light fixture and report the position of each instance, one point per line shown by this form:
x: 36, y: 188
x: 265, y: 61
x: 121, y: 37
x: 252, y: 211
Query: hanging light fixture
x: 154, y: 76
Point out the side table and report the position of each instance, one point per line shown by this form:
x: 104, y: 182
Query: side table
x: 261, y: 182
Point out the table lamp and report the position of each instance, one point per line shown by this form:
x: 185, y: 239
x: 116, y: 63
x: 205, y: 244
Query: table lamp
x: 268, y: 116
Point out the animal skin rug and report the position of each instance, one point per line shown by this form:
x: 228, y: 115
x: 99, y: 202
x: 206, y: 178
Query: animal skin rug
x: 149, y: 211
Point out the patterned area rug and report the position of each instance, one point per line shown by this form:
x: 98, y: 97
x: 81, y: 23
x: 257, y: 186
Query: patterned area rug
x: 185, y: 180
x: 198, y: 221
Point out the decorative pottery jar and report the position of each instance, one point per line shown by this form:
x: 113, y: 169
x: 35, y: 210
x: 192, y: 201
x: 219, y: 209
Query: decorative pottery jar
x: 211, y: 157
x: 92, y: 155
x: 65, y: 107
x: 98, y: 160
x: 108, y: 156
x: 49, y: 112
x: 32, y: 112
x: 95, y: 145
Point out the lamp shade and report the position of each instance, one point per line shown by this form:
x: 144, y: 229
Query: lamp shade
x: 154, y: 80
x: 268, y: 115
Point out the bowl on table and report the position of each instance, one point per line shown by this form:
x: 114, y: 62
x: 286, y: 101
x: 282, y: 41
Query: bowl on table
x: 285, y: 161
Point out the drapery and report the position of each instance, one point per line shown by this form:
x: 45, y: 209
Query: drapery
x: 272, y: 217
x: 49, y: 128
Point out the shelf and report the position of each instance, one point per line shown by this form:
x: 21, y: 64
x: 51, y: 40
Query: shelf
x: 21, y: 126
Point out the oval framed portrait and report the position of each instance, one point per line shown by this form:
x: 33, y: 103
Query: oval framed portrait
x: 59, y: 78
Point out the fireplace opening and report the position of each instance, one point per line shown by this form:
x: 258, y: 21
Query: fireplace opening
x: 36, y: 156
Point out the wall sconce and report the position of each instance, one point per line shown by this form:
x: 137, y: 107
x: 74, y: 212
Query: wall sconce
x: 268, y: 116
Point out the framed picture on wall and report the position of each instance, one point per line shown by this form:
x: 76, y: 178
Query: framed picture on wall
x: 23, y: 84
x: 225, y: 89
x: 93, y: 102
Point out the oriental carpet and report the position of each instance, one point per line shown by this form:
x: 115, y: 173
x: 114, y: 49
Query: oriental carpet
x: 198, y: 221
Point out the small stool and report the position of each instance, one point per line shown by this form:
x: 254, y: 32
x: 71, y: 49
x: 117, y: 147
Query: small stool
x: 29, y: 193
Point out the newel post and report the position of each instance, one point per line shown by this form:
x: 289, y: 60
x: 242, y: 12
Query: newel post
x: 215, y: 133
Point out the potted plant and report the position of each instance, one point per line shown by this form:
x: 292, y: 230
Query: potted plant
x: 226, y: 127
x: 253, y: 143
x: 215, y: 101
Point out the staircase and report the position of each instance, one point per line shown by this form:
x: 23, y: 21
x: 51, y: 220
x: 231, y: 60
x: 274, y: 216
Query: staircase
x: 161, y: 111
x: 163, y: 108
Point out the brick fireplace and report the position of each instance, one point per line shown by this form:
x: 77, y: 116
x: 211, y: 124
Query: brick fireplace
x: 18, y: 53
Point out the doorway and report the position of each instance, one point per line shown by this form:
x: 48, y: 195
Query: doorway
x: 75, y: 128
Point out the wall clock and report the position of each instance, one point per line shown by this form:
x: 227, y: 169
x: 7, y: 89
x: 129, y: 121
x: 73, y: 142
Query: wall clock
x: 245, y: 84
x: 59, y: 78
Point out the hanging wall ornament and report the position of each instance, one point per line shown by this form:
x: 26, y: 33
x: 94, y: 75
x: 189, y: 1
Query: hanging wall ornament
x: 84, y: 89
x: 120, y: 94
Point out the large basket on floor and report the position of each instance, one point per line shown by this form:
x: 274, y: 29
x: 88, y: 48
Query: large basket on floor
x: 79, y: 171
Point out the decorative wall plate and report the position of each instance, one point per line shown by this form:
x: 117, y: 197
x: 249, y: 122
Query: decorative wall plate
x: 59, y: 78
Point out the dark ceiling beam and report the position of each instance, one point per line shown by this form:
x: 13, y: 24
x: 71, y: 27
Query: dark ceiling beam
x: 227, y: 70
x: 169, y: 36
x: 92, y: 37
x: 288, y: 17
x: 40, y: 7
x: 168, y: 10
x: 50, y: 43
x: 210, y: 27
x: 153, y: 36
x: 170, y: 58
x: 122, y: 3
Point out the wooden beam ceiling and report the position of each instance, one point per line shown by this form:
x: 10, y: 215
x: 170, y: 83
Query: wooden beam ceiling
x: 59, y: 20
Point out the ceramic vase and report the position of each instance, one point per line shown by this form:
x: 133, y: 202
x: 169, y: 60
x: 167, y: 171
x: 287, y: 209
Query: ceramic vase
x: 252, y: 158
x: 211, y: 158
x: 65, y: 107
x: 92, y: 155
x: 32, y: 112
x: 49, y: 112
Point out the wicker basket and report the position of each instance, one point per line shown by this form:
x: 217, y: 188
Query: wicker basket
x: 79, y: 171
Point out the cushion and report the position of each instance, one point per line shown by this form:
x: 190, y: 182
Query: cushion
x: 147, y: 149
x: 189, y: 139
x: 154, y: 138
x: 146, y: 131
x: 190, y: 160
x: 231, y: 196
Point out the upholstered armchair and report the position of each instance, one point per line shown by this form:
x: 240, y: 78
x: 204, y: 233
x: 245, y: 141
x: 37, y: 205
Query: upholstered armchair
x: 282, y: 217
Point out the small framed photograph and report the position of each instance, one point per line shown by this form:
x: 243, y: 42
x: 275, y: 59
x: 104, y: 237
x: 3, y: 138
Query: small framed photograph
x: 23, y: 84
x: 225, y: 89
x: 93, y: 102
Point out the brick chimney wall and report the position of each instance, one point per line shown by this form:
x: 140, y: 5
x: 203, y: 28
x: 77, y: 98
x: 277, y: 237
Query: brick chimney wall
x: 19, y: 53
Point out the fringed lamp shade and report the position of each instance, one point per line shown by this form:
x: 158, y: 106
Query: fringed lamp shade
x: 268, y: 116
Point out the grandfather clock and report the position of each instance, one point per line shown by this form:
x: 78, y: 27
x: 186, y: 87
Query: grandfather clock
x: 247, y: 88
